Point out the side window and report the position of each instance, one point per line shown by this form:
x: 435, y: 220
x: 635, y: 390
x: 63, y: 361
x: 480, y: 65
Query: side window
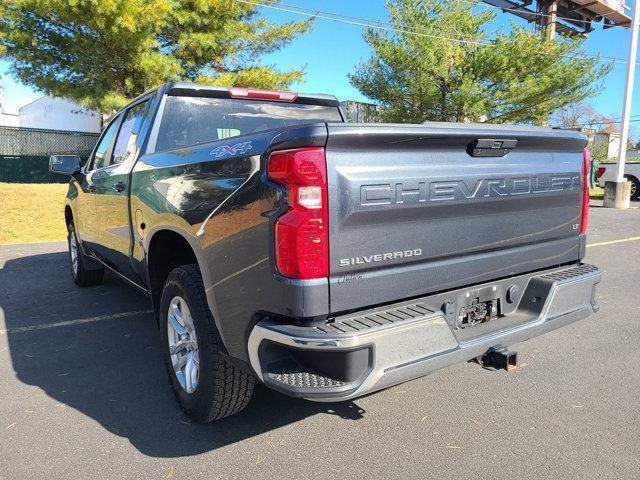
x: 125, y: 146
x: 99, y: 159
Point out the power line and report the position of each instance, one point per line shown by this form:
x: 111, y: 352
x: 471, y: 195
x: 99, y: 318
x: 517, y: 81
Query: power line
x: 605, y: 119
x: 593, y: 124
x: 315, y: 11
x: 469, y: 2
x: 605, y: 123
x: 377, y: 24
x: 380, y: 25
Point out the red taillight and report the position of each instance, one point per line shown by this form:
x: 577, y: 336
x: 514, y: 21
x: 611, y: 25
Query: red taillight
x: 600, y: 171
x: 301, y: 234
x: 235, y: 92
x: 586, y: 168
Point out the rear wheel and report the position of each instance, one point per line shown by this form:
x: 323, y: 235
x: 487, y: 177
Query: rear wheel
x: 635, y: 187
x: 205, y: 384
x: 82, y: 276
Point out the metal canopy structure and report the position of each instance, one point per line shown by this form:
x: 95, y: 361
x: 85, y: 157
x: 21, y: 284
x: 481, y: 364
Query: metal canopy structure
x: 611, y: 11
x: 567, y: 17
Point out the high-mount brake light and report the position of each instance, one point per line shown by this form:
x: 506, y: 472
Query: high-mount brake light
x: 301, y: 234
x: 586, y: 168
x: 254, y: 94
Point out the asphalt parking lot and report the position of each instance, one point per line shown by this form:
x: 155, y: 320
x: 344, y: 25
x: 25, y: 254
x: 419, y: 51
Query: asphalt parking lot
x: 83, y: 394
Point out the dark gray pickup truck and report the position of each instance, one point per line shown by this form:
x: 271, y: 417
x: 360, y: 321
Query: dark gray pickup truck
x: 327, y: 259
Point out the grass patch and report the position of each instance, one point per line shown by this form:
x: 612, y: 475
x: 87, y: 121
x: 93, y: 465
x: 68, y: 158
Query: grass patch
x: 32, y: 212
x: 596, y: 193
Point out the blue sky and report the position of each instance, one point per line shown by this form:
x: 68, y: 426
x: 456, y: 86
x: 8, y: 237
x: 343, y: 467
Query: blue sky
x: 332, y: 50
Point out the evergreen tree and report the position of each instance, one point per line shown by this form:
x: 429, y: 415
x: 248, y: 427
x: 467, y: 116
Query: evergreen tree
x: 440, y: 64
x: 103, y: 53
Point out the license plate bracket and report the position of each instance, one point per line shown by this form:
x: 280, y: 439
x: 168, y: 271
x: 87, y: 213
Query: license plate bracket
x: 479, y: 306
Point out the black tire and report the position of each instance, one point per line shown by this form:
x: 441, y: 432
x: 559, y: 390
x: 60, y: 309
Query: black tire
x: 81, y: 275
x: 635, y: 187
x: 222, y: 389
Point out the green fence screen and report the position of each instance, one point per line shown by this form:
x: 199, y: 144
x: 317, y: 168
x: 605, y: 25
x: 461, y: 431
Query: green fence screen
x: 25, y: 152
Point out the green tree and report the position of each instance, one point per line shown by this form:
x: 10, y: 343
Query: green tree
x: 103, y: 53
x: 439, y: 64
x: 599, y: 151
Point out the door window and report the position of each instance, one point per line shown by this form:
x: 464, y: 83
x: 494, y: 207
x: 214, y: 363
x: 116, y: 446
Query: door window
x: 125, y: 146
x: 99, y: 157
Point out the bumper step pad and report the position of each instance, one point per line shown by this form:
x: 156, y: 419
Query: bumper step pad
x: 571, y: 273
x: 374, y: 319
x: 304, y: 380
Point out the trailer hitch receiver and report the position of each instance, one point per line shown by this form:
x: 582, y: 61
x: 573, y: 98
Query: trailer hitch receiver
x: 500, y: 358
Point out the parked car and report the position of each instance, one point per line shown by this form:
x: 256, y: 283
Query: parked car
x: 607, y: 173
x: 327, y: 260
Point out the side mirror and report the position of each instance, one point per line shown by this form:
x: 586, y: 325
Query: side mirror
x: 64, y: 164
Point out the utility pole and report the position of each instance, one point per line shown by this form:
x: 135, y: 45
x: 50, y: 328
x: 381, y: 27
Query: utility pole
x: 616, y: 194
x: 549, y: 11
x: 547, y: 22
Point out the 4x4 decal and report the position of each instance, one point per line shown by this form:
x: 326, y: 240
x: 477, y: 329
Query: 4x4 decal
x: 238, y: 148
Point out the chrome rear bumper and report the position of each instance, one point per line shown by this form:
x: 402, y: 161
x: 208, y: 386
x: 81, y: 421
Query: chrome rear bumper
x: 360, y: 353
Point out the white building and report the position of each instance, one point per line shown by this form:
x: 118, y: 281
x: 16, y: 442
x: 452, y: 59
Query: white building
x: 610, y: 141
x: 9, y: 120
x: 55, y: 113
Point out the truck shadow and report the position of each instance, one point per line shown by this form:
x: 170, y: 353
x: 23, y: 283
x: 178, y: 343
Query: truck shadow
x: 110, y: 367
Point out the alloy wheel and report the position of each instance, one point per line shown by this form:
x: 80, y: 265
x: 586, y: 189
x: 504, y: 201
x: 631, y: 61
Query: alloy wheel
x: 183, y: 344
x: 73, y: 252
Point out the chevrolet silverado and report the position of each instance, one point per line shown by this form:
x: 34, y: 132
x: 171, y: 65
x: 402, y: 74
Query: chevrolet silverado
x: 278, y: 243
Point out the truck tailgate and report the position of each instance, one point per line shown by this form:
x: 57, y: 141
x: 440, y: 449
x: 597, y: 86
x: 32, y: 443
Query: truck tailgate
x: 414, y: 209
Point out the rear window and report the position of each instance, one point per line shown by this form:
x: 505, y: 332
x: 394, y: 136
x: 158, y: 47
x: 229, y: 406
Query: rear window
x: 193, y: 120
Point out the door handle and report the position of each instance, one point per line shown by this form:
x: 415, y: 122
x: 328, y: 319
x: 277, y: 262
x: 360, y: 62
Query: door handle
x: 119, y: 187
x: 491, y: 147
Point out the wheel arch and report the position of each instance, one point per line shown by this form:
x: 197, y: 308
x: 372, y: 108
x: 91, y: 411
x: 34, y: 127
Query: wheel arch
x: 68, y: 215
x: 167, y: 248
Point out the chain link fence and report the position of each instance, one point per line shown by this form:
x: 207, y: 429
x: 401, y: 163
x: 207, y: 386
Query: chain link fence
x: 25, y: 152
